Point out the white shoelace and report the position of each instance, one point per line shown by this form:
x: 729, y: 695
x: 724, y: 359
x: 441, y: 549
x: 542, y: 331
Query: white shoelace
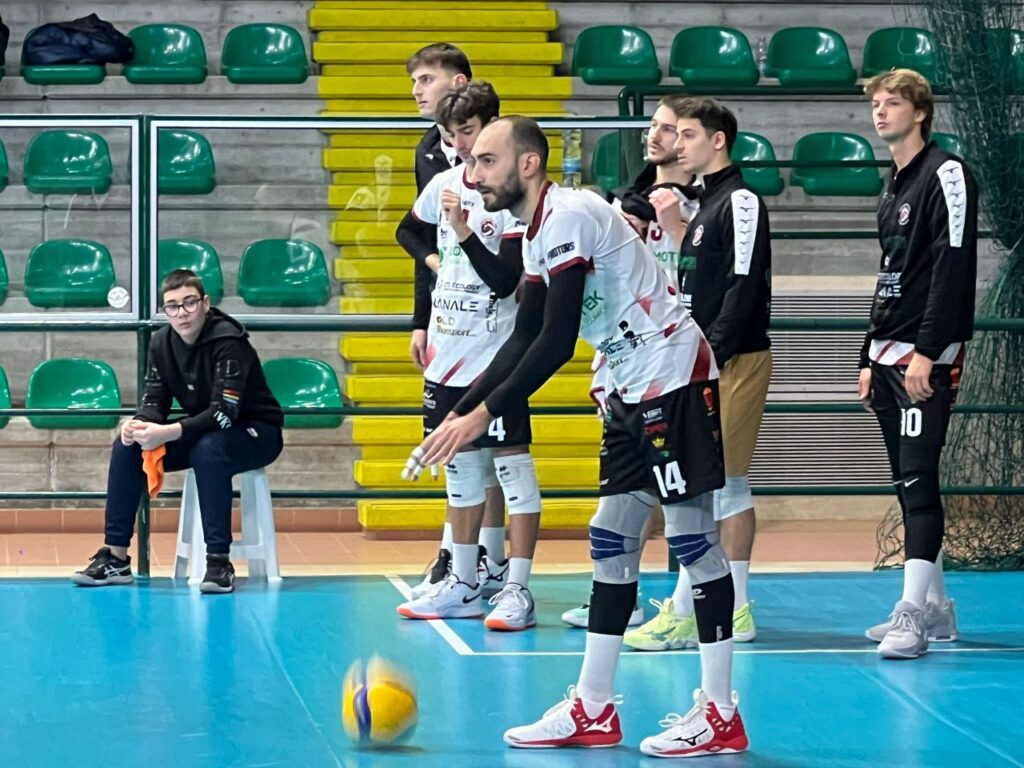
x: 674, y: 719
x: 509, y: 595
x: 907, y: 622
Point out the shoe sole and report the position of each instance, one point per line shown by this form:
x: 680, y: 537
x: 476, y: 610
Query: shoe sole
x: 701, y: 753
x: 576, y: 624
x: 931, y: 638
x: 405, y: 612
x: 667, y: 646
x: 215, y: 589
x: 111, y: 581
x: 578, y: 744
x: 898, y: 656
x: 744, y: 637
x: 501, y: 626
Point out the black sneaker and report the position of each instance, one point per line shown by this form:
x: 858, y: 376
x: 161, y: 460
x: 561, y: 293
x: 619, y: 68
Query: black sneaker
x: 440, y: 568
x: 220, y: 575
x: 105, y: 570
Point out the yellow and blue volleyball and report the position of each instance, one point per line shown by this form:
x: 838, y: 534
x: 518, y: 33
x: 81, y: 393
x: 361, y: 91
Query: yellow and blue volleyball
x: 378, y: 702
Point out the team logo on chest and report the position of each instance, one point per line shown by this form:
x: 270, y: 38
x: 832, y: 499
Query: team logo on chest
x: 698, y: 235
x: 488, y: 228
x: 904, y: 217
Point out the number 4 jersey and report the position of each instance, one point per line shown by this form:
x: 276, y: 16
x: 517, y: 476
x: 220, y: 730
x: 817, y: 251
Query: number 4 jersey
x: 468, y: 322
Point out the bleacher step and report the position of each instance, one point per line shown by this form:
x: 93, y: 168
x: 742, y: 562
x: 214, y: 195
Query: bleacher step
x: 413, y: 514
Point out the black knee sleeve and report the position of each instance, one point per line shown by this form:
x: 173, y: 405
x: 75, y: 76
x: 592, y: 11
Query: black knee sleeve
x: 610, y: 607
x: 712, y: 606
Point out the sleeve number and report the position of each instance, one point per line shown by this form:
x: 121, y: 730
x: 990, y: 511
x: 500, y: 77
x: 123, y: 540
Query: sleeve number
x: 496, y: 429
x: 910, y: 422
x: 670, y: 478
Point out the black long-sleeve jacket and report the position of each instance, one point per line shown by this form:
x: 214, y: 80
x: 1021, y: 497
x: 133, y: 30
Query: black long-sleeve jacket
x: 928, y: 230
x: 430, y: 161
x: 217, y: 380
x: 725, y: 271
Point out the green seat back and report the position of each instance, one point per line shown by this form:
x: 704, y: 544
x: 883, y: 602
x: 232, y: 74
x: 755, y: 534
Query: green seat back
x: 197, y: 256
x: 1009, y: 43
x: 300, y: 382
x: 67, y: 162
x: 5, y: 172
x: 829, y: 147
x: 166, y: 53
x: 5, y: 398
x: 949, y: 142
x: 606, y: 166
x: 69, y: 273
x: 754, y: 147
x: 184, y: 163
x: 73, y: 383
x: 615, y: 55
x: 283, y: 273
x: 713, y: 56
x: 4, y: 282
x: 902, y: 48
x: 264, y: 53
x: 805, y: 57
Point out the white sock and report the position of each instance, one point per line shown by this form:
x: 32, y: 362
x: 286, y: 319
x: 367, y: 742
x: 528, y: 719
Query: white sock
x: 519, y: 570
x: 446, y: 537
x: 937, y: 586
x: 740, y: 573
x: 464, y: 562
x: 917, y: 575
x: 493, y: 541
x: 597, y: 676
x: 682, y: 597
x: 716, y: 675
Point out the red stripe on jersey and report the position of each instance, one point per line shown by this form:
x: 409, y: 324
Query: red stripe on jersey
x: 670, y: 330
x: 572, y: 263
x: 905, y: 360
x: 538, y: 214
x: 512, y: 236
x: 455, y: 369
x: 885, y: 349
x: 653, y: 390
x: 645, y: 304
x: 534, y: 278
x: 702, y: 365
x: 431, y: 352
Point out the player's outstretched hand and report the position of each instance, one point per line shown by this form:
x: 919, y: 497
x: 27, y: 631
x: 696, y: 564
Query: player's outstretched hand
x: 455, y: 432
x: 916, y: 378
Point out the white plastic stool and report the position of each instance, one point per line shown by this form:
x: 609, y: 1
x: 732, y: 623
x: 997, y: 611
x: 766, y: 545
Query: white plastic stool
x: 258, y: 544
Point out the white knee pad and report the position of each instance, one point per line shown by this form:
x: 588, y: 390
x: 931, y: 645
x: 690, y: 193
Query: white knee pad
x: 734, y: 498
x: 693, y: 538
x: 464, y: 479
x: 490, y: 476
x: 615, y: 531
x: 518, y: 478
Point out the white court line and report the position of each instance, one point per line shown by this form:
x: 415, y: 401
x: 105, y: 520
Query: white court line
x: 450, y: 636
x: 747, y: 652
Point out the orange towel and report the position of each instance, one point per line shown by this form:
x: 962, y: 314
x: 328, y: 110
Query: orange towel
x: 153, y: 466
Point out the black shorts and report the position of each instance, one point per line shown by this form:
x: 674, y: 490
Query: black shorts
x: 919, y: 423
x: 670, y: 445
x: 513, y: 428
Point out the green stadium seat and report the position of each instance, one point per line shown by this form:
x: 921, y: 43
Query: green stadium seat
x: 902, y: 48
x: 5, y: 172
x: 4, y: 282
x: 1009, y: 43
x: 185, y: 164
x: 713, y: 56
x: 67, y: 162
x: 196, y: 255
x: 949, y: 142
x: 283, y: 273
x: 300, y: 382
x: 62, y: 74
x: 605, y: 163
x: 166, y: 53
x: 264, y: 53
x: 615, y: 55
x: 830, y: 147
x: 807, y: 57
x: 69, y: 273
x: 5, y: 398
x: 73, y: 383
x: 754, y: 147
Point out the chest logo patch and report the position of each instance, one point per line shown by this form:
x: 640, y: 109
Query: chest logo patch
x: 904, y: 216
x: 488, y: 228
x: 698, y: 235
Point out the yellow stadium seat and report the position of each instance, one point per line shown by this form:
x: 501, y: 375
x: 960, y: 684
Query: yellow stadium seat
x: 551, y: 473
x: 371, y: 252
x: 372, y: 177
x: 407, y: 430
x: 455, y: 37
x: 454, y: 5
x: 373, y: 271
x: 387, y: 347
x: 362, y: 232
x: 480, y: 73
x: 378, y: 306
x: 432, y: 19
x: 563, y: 389
x: 401, y: 452
x: 378, y: 290
x: 386, y: 139
x: 398, y: 88
x: 369, y: 196
x: 405, y: 108
x: 394, y: 160
x: 399, y: 52
x: 368, y: 214
x: 417, y: 514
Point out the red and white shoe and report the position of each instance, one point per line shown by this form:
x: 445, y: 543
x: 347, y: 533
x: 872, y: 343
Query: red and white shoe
x: 701, y: 731
x: 567, y: 725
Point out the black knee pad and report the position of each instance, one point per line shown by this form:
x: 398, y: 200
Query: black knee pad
x: 712, y: 607
x: 610, y: 607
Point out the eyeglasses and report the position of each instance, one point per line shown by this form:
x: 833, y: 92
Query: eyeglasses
x: 189, y: 306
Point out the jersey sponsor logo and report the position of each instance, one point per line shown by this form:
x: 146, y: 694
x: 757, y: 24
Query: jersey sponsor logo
x: 889, y: 285
x: 594, y: 305
x: 558, y: 250
x: 488, y: 228
x: 455, y: 285
x: 698, y: 235
x: 904, y: 215
x: 954, y: 190
x: 456, y: 305
x: 653, y: 415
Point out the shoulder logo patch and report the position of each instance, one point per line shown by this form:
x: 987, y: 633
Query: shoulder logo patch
x: 698, y: 235
x: 904, y: 217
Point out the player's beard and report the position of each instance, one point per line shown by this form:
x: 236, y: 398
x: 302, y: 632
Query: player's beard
x: 669, y: 158
x: 506, y: 197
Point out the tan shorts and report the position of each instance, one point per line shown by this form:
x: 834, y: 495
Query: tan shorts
x: 743, y: 388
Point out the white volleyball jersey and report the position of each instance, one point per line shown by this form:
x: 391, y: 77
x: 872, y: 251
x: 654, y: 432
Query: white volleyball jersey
x: 630, y: 312
x: 468, y: 323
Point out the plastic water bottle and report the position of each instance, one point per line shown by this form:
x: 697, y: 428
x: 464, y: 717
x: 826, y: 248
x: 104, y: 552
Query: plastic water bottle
x: 572, y: 158
x: 761, y: 53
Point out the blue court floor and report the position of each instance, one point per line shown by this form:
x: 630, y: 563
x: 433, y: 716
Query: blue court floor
x: 156, y: 675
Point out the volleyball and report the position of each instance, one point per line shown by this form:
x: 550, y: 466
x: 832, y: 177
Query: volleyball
x: 378, y: 702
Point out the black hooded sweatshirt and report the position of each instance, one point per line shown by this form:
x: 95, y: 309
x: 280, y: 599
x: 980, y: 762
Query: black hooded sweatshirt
x: 218, y: 380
